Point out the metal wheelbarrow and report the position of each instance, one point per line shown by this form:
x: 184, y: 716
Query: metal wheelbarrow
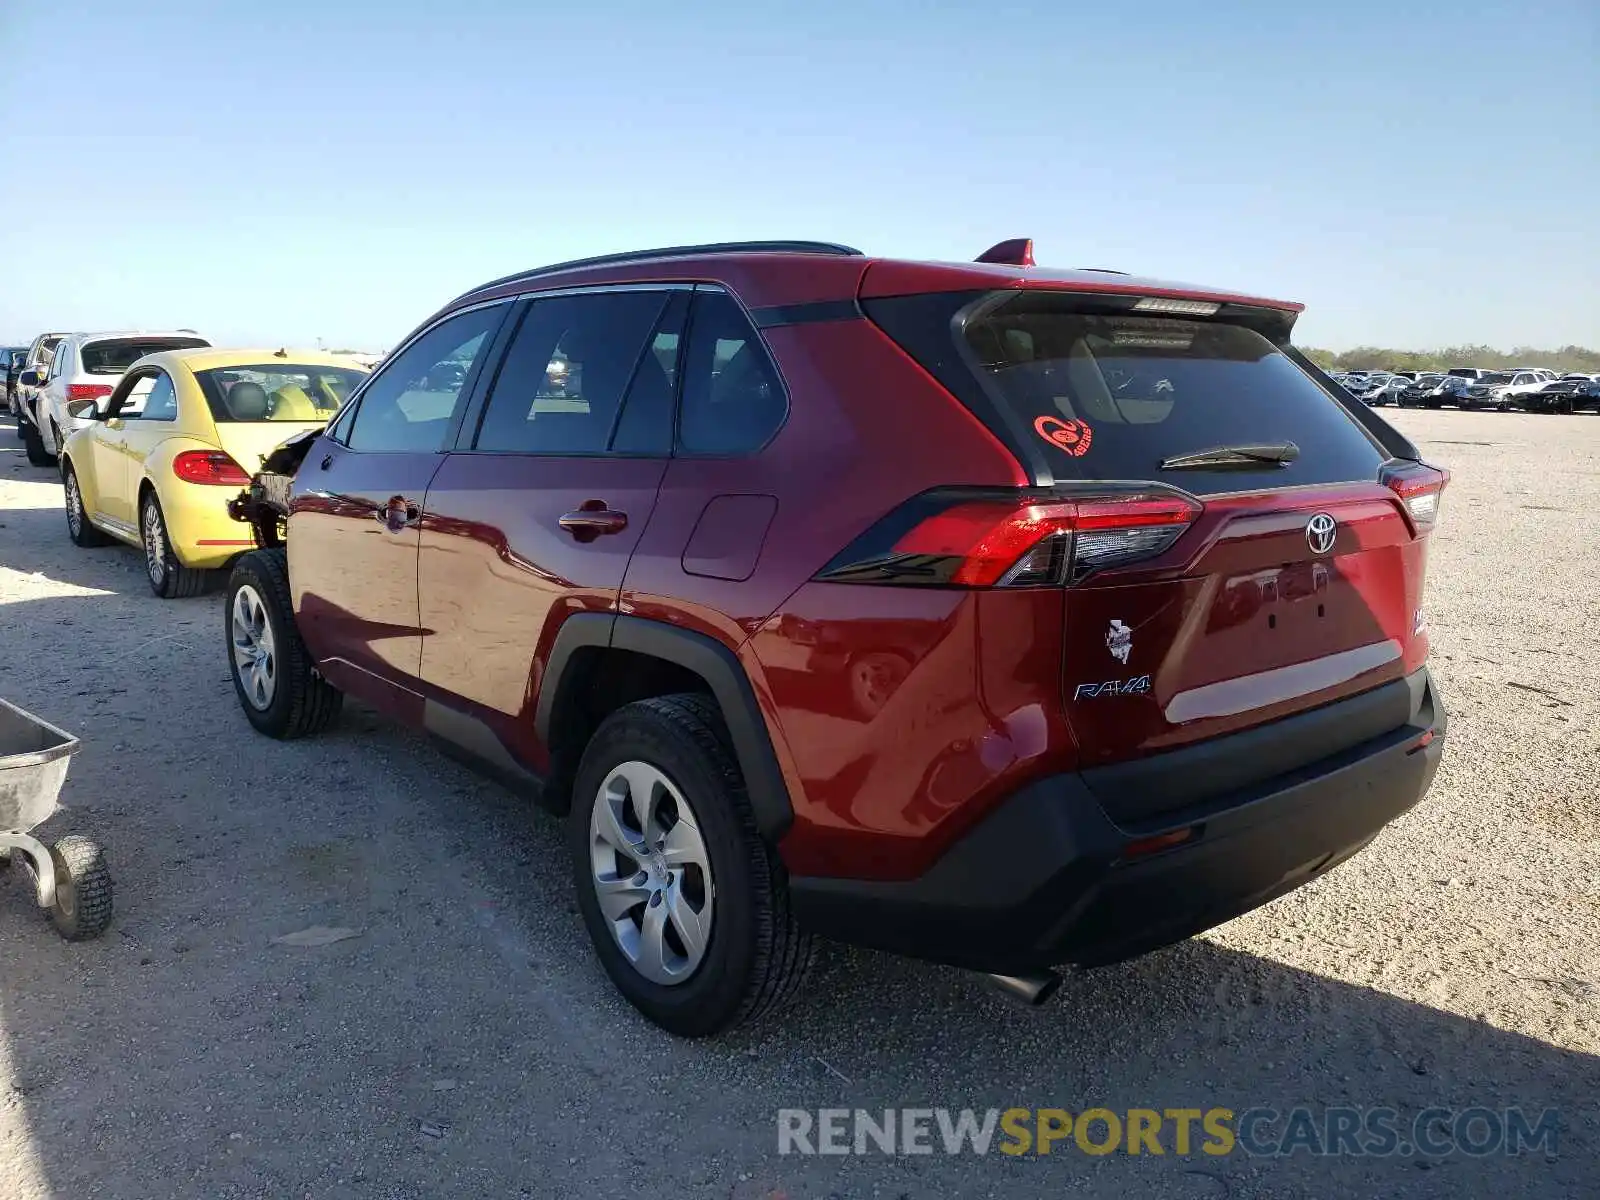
x: 70, y: 878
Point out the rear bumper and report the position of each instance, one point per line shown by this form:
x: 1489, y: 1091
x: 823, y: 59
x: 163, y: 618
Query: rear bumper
x: 202, y: 533
x: 1047, y: 878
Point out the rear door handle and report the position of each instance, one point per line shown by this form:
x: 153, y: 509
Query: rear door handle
x: 398, y: 513
x: 593, y: 518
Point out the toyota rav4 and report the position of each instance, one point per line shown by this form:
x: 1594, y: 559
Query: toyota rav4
x: 1000, y: 616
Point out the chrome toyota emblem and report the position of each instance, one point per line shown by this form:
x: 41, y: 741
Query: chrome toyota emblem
x: 1320, y: 533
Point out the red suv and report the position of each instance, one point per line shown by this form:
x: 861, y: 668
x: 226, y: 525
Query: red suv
x: 1000, y: 616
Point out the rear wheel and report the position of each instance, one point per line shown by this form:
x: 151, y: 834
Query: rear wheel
x: 79, y: 528
x: 169, y: 578
x: 34, y: 445
x: 278, y: 687
x: 686, y: 905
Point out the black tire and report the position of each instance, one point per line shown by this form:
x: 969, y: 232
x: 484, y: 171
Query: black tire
x: 302, y: 702
x: 34, y: 444
x: 756, y: 957
x: 168, y: 577
x: 83, y: 889
x: 79, y: 528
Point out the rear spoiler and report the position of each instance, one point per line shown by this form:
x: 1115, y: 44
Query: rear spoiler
x: 1385, y: 434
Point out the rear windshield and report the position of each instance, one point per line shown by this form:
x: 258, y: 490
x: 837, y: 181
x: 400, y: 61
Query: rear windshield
x: 1110, y: 396
x: 113, y: 356
x: 277, y: 391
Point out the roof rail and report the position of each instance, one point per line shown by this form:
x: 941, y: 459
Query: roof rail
x: 605, y: 260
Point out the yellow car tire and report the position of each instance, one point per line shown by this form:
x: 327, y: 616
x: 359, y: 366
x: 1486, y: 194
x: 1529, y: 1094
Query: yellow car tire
x: 169, y: 578
x: 79, y: 528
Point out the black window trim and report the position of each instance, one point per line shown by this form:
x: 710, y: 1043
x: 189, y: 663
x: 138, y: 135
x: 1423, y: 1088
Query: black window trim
x: 777, y: 374
x: 125, y: 385
x: 162, y: 372
x: 463, y: 398
x: 466, y: 439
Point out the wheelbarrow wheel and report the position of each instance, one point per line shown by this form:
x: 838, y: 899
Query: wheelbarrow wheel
x: 83, y: 889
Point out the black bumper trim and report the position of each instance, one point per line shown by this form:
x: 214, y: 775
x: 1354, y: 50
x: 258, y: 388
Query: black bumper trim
x: 1042, y: 880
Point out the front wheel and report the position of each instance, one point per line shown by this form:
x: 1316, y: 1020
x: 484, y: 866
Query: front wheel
x: 82, y: 908
x: 169, y: 578
x: 38, y: 456
x: 686, y: 905
x: 79, y: 528
x: 278, y: 686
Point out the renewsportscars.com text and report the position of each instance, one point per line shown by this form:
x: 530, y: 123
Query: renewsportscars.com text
x: 1261, y: 1132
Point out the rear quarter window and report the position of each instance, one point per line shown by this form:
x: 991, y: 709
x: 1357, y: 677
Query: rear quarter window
x: 1109, y: 396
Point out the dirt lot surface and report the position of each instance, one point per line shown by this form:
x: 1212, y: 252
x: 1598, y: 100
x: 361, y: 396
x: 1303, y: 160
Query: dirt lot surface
x: 465, y: 1042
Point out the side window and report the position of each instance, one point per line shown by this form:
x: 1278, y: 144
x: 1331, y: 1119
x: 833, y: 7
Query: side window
x: 572, y: 359
x: 408, y: 405
x: 162, y: 402
x: 137, y: 398
x: 732, y: 401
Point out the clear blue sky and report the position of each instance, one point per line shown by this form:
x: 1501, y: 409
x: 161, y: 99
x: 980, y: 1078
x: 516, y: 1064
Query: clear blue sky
x: 1418, y: 174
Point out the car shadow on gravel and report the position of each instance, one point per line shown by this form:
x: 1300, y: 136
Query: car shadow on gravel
x: 463, y: 1041
x: 35, y: 541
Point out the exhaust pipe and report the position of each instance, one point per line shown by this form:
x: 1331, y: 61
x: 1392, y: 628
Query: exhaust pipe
x: 1032, y: 990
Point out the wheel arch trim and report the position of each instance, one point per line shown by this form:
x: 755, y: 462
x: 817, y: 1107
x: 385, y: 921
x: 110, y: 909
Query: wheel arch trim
x: 706, y: 657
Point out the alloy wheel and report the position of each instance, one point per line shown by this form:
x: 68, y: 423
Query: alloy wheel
x: 74, y: 505
x: 255, y: 654
x: 651, y: 872
x: 155, y: 544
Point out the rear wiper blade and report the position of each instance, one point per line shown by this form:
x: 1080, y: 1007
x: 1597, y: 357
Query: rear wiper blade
x: 1279, y: 454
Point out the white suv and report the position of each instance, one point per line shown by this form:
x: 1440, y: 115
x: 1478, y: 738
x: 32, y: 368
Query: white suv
x: 86, y: 366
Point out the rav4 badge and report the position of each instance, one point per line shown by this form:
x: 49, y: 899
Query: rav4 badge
x: 1139, y: 685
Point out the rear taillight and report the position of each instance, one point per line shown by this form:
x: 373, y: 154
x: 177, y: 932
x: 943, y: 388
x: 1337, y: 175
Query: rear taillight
x: 1420, y: 488
x: 209, y: 466
x: 956, y: 538
x: 87, y: 391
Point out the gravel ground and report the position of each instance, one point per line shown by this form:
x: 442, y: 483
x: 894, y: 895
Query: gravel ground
x: 466, y: 1042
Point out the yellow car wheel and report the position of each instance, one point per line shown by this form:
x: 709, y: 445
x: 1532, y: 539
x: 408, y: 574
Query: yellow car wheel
x: 79, y: 528
x: 169, y: 578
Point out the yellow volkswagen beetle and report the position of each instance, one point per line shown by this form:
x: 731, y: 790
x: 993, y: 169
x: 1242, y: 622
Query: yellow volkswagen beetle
x: 155, y: 463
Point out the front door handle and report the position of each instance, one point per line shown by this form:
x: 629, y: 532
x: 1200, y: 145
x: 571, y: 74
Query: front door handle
x: 593, y: 518
x: 398, y: 513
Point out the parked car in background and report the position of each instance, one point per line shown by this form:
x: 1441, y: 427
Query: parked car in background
x: 156, y: 462
x: 1448, y: 389
x: 1524, y: 383
x: 1383, y: 389
x: 36, y: 361
x: 784, y: 677
x: 12, y: 358
x: 1419, y: 389
x: 1494, y: 389
x: 1472, y: 373
x: 1554, y: 396
x: 86, y: 366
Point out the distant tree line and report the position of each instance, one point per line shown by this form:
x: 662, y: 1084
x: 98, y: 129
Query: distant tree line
x: 1377, y: 358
